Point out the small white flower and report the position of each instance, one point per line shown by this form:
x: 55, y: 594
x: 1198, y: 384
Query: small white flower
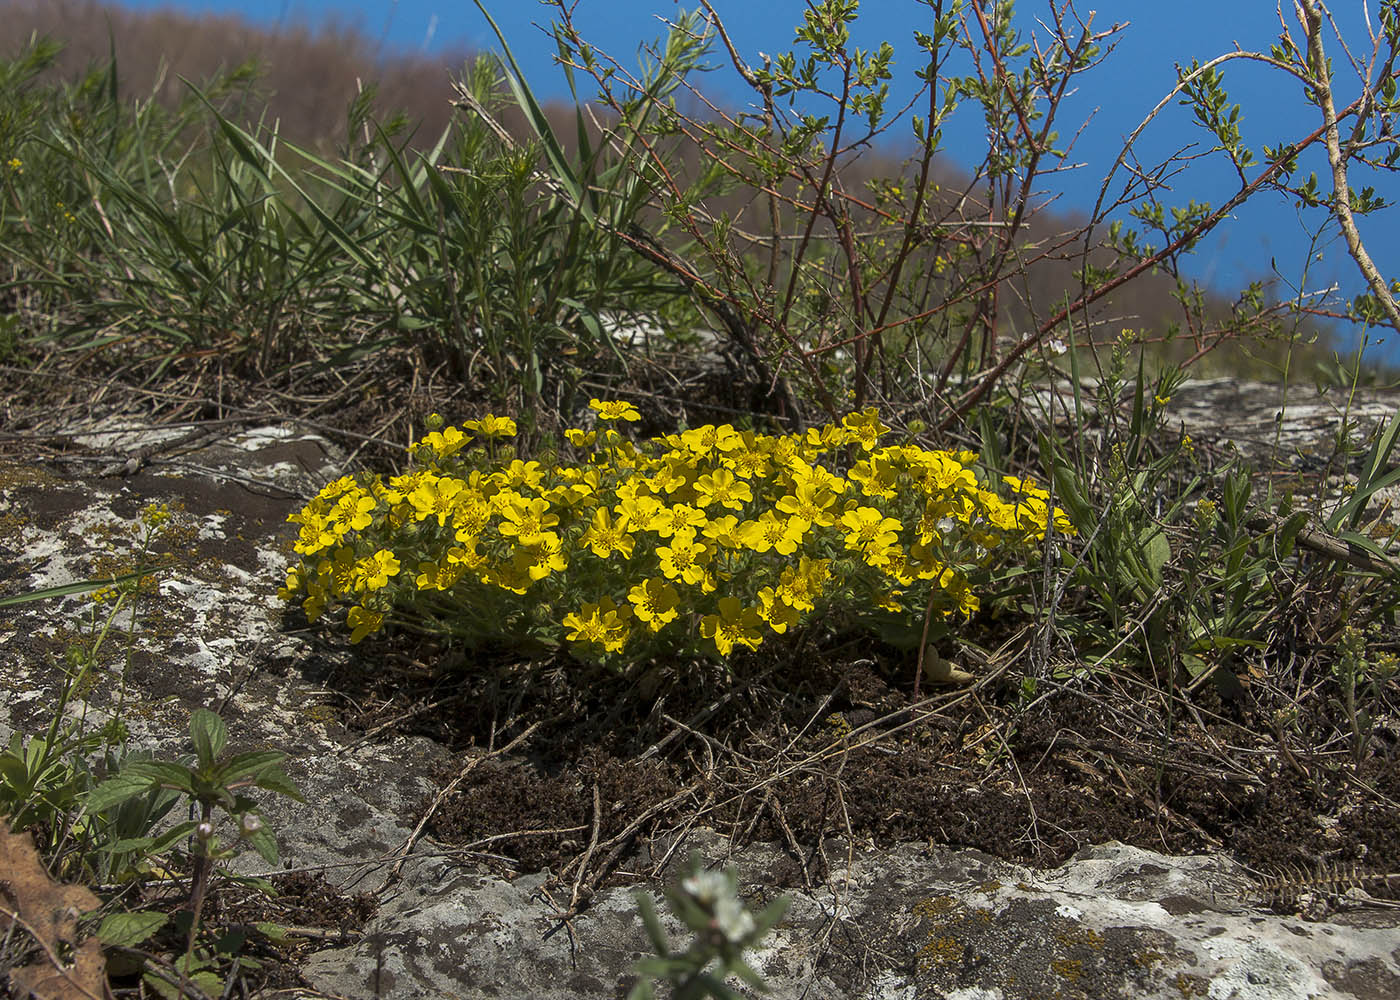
x: 204, y: 830
x: 249, y: 825
x: 705, y: 887
x: 732, y: 920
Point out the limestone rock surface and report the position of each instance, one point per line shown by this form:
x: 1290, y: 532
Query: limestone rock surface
x: 896, y: 923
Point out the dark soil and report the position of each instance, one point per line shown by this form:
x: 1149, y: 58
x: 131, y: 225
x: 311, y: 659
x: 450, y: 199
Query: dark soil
x: 836, y: 749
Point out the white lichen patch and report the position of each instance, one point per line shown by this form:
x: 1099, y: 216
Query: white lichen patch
x: 124, y: 436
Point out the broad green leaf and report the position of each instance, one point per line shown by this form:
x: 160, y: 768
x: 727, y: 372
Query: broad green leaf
x: 265, y: 844
x: 209, y: 734
x: 248, y: 765
x: 163, y: 773
x: 127, y: 930
x: 117, y: 790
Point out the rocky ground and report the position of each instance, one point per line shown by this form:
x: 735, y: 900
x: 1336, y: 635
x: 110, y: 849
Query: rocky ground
x: 475, y: 825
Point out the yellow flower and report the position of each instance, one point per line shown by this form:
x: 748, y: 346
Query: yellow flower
x: 436, y: 576
x: 775, y: 611
x: 528, y: 521
x: 869, y: 531
x: 580, y: 438
x: 373, y: 572
x: 446, y: 442
x: 771, y: 532
x: 800, y: 586
x: 684, y: 558
x: 616, y: 409
x: 865, y: 427
x: 16, y: 164
x: 602, y: 624
x: 544, y: 557
x: 877, y: 477
x: 735, y: 625
x: 668, y: 521
x: 655, y: 602
x: 353, y: 511
x: 721, y: 487
x: 492, y: 426
x: 811, y: 503
x: 606, y: 536
x: 723, y: 531
x: 363, y: 621
x: 701, y: 441
x: 528, y: 475
x: 436, y: 497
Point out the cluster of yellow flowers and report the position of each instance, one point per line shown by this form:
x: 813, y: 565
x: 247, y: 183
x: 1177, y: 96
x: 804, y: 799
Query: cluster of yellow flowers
x: 706, y: 540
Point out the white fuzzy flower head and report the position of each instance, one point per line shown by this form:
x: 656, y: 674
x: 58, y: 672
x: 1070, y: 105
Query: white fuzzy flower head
x: 732, y: 920
x: 705, y: 887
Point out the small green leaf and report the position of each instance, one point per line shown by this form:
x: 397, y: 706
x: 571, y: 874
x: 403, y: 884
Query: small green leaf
x: 271, y: 931
x: 265, y: 844
x: 162, y: 773
x: 277, y: 781
x: 127, y: 930
x: 249, y: 766
x: 209, y: 734
x: 117, y: 790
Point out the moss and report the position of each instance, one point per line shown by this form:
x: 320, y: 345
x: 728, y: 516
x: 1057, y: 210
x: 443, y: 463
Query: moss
x: 1147, y: 959
x: 1080, y: 937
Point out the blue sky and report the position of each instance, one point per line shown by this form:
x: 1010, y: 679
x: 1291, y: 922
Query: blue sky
x: 1113, y: 97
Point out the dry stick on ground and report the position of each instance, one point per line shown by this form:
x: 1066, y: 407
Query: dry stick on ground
x: 403, y: 852
x: 616, y: 844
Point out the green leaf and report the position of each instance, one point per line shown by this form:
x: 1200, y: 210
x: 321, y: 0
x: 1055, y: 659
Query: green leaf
x: 271, y: 931
x: 265, y: 844
x: 1156, y: 551
x: 209, y: 734
x: 117, y: 790
x: 1287, y: 533
x: 127, y: 930
x: 157, y: 772
x: 248, y: 765
x: 647, y: 909
x: 276, y: 781
x: 80, y: 587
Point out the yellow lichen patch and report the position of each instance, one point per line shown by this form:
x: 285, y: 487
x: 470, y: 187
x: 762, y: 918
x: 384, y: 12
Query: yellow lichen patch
x: 942, y: 950
x: 1192, y: 986
x: 935, y: 907
x: 1147, y: 959
x: 1080, y: 937
x: 1068, y: 968
x: 14, y: 474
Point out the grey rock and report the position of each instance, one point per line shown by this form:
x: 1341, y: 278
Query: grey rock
x: 902, y: 923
